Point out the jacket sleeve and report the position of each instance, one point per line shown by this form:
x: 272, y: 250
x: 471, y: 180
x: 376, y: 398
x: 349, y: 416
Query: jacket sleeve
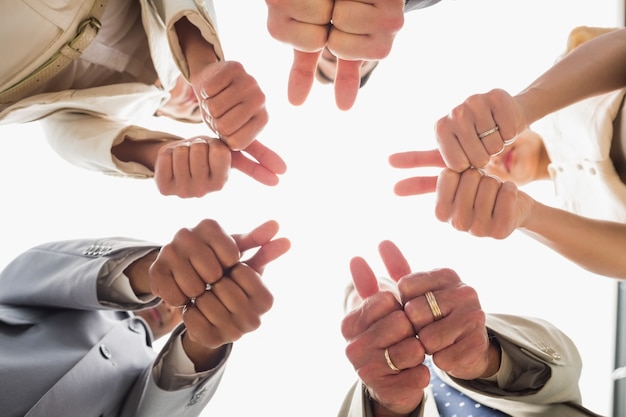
x: 147, y: 399
x: 200, y: 13
x: 418, y: 4
x: 544, y: 368
x: 86, y: 140
x: 72, y: 274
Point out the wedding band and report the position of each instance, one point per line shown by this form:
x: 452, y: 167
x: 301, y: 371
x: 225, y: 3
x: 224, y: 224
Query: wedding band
x: 391, y: 365
x: 434, y: 307
x: 208, y: 287
x: 488, y: 132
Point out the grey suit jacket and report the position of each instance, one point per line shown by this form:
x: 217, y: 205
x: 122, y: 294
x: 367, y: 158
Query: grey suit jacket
x: 64, y: 352
x: 418, y: 4
x: 542, y: 382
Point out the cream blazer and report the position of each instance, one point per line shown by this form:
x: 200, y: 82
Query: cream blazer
x: 83, y: 125
x: 533, y: 346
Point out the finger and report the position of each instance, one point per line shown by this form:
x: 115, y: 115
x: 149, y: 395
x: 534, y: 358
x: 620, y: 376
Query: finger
x: 394, y: 260
x: 484, y: 206
x: 163, y: 171
x: 301, y: 76
x: 416, y: 159
x: 505, y: 211
x: 347, y: 83
x: 447, y: 184
x: 266, y: 157
x: 267, y: 253
x: 363, y: 277
x: 407, y: 353
x: 180, y: 161
x: 199, y: 159
x: 253, y: 169
x: 259, y: 299
x: 415, y: 186
x: 222, y: 244
x: 257, y: 236
x: 464, y: 205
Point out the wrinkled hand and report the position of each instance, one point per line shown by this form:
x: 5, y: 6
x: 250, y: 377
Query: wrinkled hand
x: 198, y: 166
x: 232, y: 103
x: 379, y: 323
x: 458, y: 132
x: 202, y: 269
x: 458, y: 341
x: 359, y: 31
x: 470, y: 201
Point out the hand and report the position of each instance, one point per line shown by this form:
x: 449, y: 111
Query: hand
x: 224, y: 296
x: 379, y: 323
x: 231, y: 102
x: 470, y: 201
x: 303, y: 24
x: 359, y: 31
x: 458, y: 340
x: 458, y: 132
x: 195, y: 167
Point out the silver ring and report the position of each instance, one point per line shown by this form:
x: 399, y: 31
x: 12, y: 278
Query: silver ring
x: 208, y: 287
x: 510, y: 141
x: 488, y: 132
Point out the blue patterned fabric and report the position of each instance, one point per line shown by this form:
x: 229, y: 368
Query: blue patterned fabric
x: 453, y: 403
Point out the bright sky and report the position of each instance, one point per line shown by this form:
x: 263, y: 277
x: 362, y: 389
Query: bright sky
x: 336, y: 200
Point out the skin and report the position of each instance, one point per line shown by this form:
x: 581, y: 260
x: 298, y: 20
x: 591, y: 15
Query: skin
x: 327, y: 65
x: 360, y: 31
x: 180, y: 270
x: 390, y: 317
x: 485, y: 206
x: 231, y: 103
x: 595, y: 67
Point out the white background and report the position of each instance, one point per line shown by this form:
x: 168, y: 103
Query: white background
x: 336, y: 199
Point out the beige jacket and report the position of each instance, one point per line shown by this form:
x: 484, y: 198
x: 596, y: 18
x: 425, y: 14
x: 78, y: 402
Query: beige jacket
x: 83, y: 125
x: 532, y: 347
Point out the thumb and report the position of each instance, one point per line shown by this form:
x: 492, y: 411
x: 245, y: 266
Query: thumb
x: 395, y: 262
x: 301, y: 76
x: 364, y: 279
x: 415, y: 186
x: 347, y: 83
x: 261, y: 237
x: 417, y: 159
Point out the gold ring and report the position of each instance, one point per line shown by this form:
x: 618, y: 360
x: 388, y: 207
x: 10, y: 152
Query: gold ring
x: 488, y: 132
x: 391, y: 365
x: 434, y: 307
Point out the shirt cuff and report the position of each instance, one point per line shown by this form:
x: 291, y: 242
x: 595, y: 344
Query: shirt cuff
x: 174, y: 370
x: 117, y: 291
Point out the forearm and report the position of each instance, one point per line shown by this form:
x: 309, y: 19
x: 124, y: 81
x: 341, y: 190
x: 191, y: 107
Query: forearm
x: 197, y: 51
x: 595, y: 245
x: 595, y: 67
x: 142, y: 152
x: 202, y: 357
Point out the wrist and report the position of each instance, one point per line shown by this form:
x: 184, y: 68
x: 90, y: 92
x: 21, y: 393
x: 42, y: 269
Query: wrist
x: 494, y: 358
x: 198, y: 52
x: 138, y: 276
x: 202, y: 357
x: 143, y: 152
x: 379, y: 410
